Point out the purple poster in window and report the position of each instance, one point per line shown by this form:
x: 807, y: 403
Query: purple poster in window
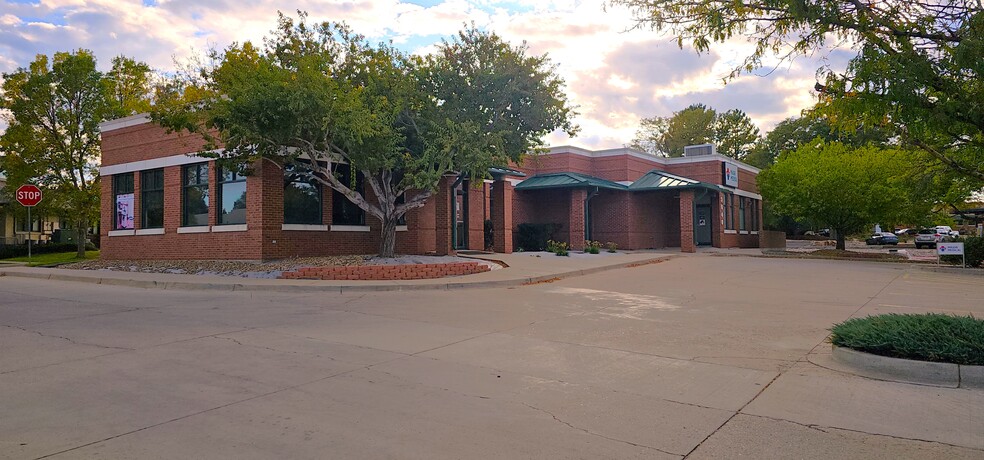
x: 124, y: 212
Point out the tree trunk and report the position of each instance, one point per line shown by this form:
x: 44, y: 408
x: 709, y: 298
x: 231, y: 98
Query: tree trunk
x: 80, y: 228
x: 387, y: 245
x: 840, y: 240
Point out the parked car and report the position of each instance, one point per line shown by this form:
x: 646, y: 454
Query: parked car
x: 882, y: 238
x: 947, y: 231
x: 903, y: 231
x: 928, y: 237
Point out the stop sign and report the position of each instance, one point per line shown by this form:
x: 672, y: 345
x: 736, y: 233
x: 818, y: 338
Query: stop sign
x: 28, y: 195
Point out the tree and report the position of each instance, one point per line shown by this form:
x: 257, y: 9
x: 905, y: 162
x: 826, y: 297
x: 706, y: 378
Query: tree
x: 318, y: 96
x: 53, y: 135
x: 844, y: 187
x: 796, y: 131
x: 917, y: 69
x: 663, y: 136
x: 128, y: 88
x: 735, y: 134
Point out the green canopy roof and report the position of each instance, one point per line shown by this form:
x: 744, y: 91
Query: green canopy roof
x: 662, y: 180
x: 567, y: 180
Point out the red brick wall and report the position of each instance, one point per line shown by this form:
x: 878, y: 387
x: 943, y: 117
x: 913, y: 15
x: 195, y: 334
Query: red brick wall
x: 388, y: 272
x: 146, y: 141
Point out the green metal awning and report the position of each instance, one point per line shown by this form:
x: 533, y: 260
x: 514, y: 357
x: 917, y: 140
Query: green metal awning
x: 567, y: 180
x: 662, y: 180
x: 503, y: 171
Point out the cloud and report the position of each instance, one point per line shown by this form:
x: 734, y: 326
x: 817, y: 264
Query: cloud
x: 615, y: 75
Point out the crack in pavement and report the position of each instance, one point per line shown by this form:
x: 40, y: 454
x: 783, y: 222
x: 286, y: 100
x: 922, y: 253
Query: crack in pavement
x: 237, y: 342
x: 72, y: 341
x: 824, y: 428
x: 592, y: 433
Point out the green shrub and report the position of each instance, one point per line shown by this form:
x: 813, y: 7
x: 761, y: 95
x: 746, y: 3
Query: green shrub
x: 592, y: 247
x: 534, y: 237
x: 612, y: 247
x: 489, y: 235
x: 927, y: 337
x: 20, y: 250
x: 558, y: 247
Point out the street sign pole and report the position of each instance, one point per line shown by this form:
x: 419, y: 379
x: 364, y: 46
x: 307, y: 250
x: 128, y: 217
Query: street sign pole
x: 30, y: 228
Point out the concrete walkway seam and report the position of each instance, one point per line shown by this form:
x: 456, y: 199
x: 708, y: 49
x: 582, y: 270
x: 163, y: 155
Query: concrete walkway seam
x: 910, y: 371
x: 288, y: 287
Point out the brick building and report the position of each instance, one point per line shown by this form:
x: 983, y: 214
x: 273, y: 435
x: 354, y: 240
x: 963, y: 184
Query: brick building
x: 160, y: 201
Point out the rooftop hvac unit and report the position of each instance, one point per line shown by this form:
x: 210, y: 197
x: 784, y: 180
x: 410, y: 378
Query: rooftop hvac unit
x: 699, y: 150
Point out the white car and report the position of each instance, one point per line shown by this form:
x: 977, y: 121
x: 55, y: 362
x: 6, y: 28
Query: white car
x: 946, y: 230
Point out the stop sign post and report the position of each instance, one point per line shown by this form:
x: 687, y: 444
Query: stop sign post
x: 28, y: 196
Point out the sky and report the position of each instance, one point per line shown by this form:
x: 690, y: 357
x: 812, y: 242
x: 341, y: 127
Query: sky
x: 615, y: 75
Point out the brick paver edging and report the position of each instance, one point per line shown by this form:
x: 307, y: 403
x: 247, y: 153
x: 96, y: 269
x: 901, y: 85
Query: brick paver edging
x: 386, y: 272
x: 911, y: 371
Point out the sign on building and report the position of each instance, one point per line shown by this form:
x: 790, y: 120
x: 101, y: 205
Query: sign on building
x: 730, y: 171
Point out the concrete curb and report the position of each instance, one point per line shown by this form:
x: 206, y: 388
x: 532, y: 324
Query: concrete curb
x: 312, y: 286
x: 910, y: 371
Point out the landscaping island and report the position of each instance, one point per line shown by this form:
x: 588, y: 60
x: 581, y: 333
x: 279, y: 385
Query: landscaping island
x: 930, y: 337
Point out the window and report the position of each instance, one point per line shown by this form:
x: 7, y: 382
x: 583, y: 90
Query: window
x: 152, y: 199
x: 343, y: 211
x: 401, y: 200
x: 232, y: 197
x: 194, y: 209
x: 741, y: 213
x: 123, y: 199
x: 22, y: 225
x: 302, y: 198
x: 755, y: 215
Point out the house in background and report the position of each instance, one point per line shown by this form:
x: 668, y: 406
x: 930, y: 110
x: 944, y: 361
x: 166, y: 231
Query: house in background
x: 14, y: 228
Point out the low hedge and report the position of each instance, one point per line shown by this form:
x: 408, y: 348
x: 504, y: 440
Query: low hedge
x: 20, y: 250
x: 923, y: 337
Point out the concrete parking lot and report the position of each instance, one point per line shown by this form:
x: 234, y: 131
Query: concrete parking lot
x: 698, y: 357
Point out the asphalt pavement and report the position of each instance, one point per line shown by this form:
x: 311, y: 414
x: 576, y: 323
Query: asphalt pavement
x: 698, y: 356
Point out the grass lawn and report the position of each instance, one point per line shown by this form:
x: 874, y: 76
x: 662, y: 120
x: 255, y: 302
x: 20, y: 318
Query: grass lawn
x: 55, y: 258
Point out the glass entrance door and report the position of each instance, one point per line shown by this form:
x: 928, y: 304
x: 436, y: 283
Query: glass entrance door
x: 461, y: 216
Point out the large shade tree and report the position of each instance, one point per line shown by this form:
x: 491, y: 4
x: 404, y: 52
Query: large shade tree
x: 917, y: 69
x: 844, y: 187
x: 52, y: 140
x: 667, y: 136
x: 317, y: 96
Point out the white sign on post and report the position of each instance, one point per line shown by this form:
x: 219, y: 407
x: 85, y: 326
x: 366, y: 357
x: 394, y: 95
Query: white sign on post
x: 950, y: 249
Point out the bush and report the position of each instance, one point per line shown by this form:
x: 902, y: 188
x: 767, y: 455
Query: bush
x: 927, y: 337
x: 559, y: 248
x: 534, y: 237
x: 612, y: 247
x: 20, y: 250
x: 973, y: 251
x: 488, y: 230
x: 592, y: 247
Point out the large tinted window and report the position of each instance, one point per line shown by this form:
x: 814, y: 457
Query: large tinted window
x: 343, y: 211
x: 123, y: 201
x: 232, y: 197
x: 195, y: 197
x: 302, y: 198
x: 152, y: 199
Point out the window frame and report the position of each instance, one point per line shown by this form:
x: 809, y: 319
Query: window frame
x: 339, y: 198
x: 185, y: 186
x: 741, y: 214
x: 117, y: 192
x: 291, y: 177
x: 144, y: 198
x: 220, y: 183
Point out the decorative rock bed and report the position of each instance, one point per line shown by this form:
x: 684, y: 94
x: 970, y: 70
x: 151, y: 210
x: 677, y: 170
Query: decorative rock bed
x: 911, y: 371
x: 388, y: 272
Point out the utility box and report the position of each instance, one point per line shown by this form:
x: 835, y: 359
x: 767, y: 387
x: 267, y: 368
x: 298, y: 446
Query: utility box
x: 64, y: 236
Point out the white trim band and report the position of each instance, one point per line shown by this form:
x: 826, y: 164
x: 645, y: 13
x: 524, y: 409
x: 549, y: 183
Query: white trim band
x: 121, y: 233
x: 155, y: 163
x: 350, y: 228
x: 197, y: 229
x: 401, y: 228
x: 125, y: 122
x: 304, y: 228
x: 229, y: 228
x: 150, y: 231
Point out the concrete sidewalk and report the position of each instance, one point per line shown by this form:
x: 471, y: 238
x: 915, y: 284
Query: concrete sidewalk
x: 521, y: 268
